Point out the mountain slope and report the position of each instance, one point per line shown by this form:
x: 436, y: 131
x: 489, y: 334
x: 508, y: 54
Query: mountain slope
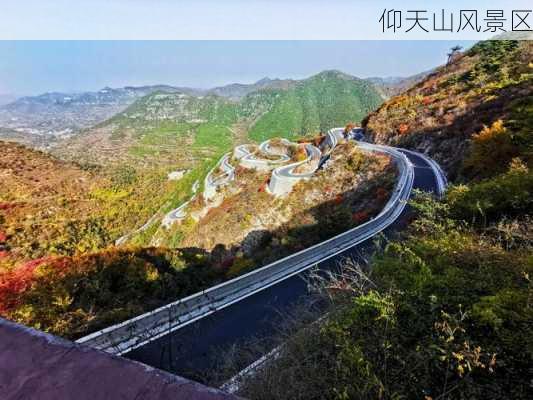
x: 42, y: 202
x: 328, y: 99
x: 445, y: 310
x: 161, y: 128
x: 59, y: 114
x: 60, y: 272
x: 50, y: 207
x: 439, y: 116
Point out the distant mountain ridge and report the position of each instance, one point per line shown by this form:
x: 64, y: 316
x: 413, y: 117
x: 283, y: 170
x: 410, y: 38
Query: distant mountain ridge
x: 394, y: 85
x: 165, y: 126
x: 44, y: 119
x: 7, y: 98
x: 61, y: 114
x: 237, y: 91
x: 105, y: 95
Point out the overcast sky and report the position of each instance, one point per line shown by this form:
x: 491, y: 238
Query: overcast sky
x: 40, y: 66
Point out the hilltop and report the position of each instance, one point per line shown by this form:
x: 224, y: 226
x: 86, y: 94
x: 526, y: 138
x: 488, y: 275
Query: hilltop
x: 330, y: 98
x: 237, y: 91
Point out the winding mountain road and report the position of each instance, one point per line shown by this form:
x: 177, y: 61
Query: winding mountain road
x: 284, y: 175
x: 220, y: 175
x: 248, y: 155
x: 179, y: 213
x: 248, y: 307
x: 196, y: 348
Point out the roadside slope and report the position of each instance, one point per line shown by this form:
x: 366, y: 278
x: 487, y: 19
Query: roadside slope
x: 445, y: 310
x: 442, y: 114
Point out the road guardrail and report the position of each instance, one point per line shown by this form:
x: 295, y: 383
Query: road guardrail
x: 128, y: 335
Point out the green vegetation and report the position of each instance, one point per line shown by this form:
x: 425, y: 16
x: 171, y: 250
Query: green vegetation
x: 506, y: 194
x: 169, y: 128
x: 316, y: 104
x: 447, y: 314
x: 284, y: 117
x: 497, y: 66
x: 447, y: 310
x: 166, y: 135
x: 213, y: 136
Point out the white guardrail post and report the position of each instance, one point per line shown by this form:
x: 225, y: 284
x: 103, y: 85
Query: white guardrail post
x: 138, y: 331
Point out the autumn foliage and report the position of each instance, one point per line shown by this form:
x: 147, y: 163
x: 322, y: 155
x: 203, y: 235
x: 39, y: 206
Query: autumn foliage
x: 71, y: 296
x: 13, y: 283
x: 492, y: 150
x: 403, y: 129
x: 338, y: 199
x: 348, y: 128
x: 300, y: 153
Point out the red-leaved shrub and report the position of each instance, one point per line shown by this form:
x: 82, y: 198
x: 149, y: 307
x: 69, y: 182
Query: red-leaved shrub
x: 15, y: 282
x: 403, y: 129
x: 360, y: 217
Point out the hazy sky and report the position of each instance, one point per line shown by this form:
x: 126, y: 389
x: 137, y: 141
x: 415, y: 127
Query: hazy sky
x: 226, y: 19
x: 31, y: 67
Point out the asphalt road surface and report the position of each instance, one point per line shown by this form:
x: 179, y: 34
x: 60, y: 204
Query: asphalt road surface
x: 197, y: 348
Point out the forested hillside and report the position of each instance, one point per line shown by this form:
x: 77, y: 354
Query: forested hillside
x: 446, y: 311
x: 445, y: 115
x: 61, y: 272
